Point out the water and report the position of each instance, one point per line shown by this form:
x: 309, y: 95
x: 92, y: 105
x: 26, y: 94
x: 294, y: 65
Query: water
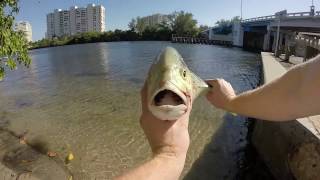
x: 84, y: 99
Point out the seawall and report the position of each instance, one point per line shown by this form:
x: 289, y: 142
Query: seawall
x: 291, y: 149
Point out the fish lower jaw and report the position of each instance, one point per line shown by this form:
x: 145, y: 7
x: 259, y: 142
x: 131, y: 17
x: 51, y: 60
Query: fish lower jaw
x: 168, y: 112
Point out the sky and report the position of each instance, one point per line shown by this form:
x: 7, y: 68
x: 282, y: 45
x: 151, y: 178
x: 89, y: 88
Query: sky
x: 120, y: 12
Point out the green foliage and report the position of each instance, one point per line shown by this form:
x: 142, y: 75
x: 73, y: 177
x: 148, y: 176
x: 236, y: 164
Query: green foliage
x: 224, y: 22
x: 132, y: 24
x: 150, y: 33
x: 140, y: 25
x: 13, y: 45
x: 180, y: 23
x: 184, y: 24
x: 87, y: 37
x: 225, y: 26
x: 203, y: 28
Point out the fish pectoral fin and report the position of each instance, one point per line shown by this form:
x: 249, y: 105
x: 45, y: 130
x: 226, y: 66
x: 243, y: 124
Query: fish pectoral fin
x: 198, y: 84
x: 233, y: 114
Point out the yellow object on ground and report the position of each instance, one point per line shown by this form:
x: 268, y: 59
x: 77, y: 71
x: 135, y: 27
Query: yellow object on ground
x: 70, y: 157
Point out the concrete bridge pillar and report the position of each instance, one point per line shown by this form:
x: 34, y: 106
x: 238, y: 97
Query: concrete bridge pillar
x: 274, y: 42
x: 287, y: 49
x: 280, y: 45
x: 281, y: 48
x: 237, y: 34
x: 266, y: 41
x: 290, y: 45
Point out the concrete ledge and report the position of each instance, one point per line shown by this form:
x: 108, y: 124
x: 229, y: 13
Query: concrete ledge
x: 272, y: 69
x: 290, y: 149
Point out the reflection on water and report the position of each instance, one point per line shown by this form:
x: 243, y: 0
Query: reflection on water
x: 85, y: 99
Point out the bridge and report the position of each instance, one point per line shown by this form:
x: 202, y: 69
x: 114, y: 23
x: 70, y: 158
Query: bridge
x: 279, y: 33
x: 283, y: 33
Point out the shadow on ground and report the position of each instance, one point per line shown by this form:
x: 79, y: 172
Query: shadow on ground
x: 229, y: 155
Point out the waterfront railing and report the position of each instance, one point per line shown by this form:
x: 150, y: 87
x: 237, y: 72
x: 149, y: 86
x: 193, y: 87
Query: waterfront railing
x: 288, y: 15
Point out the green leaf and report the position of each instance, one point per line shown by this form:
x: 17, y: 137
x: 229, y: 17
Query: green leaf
x: 13, y: 44
x: 11, y: 64
x: 1, y: 73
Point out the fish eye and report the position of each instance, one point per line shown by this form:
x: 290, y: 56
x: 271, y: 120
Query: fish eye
x: 184, y: 73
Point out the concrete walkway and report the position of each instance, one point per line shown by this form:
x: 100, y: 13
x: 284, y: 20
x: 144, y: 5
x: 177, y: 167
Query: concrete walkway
x: 290, y: 149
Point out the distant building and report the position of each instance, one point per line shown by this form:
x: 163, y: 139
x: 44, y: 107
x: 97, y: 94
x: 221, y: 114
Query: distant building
x: 154, y: 19
x: 25, y: 27
x: 76, y: 20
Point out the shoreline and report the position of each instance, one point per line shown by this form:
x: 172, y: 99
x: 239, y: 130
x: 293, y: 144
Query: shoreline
x: 42, y: 47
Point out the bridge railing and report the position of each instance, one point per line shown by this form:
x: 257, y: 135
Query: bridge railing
x: 261, y: 18
x: 298, y: 14
x: 288, y: 15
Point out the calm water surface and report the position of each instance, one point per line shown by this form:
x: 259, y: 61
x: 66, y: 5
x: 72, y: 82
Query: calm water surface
x: 85, y: 99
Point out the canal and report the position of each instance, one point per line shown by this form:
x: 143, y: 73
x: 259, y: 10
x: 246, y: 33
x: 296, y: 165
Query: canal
x: 85, y: 99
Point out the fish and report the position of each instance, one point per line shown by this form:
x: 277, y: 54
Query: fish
x: 171, y: 86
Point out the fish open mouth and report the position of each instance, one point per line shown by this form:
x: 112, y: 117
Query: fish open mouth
x: 167, y: 97
x: 168, y: 104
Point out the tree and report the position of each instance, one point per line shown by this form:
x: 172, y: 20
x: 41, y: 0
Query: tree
x: 184, y: 24
x: 230, y: 22
x: 171, y: 19
x: 141, y: 25
x: 132, y: 24
x: 164, y: 25
x: 203, y: 28
x: 13, y: 45
x: 225, y: 26
x: 201, y: 33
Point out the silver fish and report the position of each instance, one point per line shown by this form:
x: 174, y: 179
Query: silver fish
x: 170, y: 84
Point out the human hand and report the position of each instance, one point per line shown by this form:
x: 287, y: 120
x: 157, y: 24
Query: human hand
x: 221, y: 94
x: 166, y: 138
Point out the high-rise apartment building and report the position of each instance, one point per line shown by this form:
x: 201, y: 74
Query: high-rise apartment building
x: 154, y: 19
x: 76, y: 20
x: 25, y: 27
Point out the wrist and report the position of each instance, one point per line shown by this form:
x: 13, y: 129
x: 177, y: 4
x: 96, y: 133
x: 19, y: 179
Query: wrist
x: 171, y: 160
x: 171, y: 154
x: 231, y: 104
x: 174, y: 156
